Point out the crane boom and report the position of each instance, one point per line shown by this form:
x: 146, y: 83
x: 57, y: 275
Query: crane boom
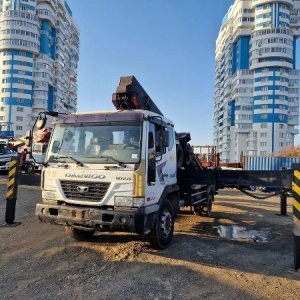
x: 131, y: 95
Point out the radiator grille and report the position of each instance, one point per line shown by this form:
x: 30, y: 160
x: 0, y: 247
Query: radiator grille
x: 94, y: 191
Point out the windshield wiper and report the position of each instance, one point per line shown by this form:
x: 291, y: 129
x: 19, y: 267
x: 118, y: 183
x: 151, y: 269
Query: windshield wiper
x: 78, y: 162
x: 110, y: 157
x: 120, y: 163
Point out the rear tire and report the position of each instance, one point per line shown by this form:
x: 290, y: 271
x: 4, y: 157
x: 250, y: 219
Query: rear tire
x: 208, y: 207
x: 79, y: 235
x: 161, y: 234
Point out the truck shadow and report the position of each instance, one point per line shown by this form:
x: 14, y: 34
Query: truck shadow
x: 240, y: 237
x: 268, y: 252
x: 243, y: 236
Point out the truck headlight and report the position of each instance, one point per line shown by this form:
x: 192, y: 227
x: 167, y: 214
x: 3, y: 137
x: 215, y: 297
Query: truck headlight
x: 49, y: 195
x: 129, y: 201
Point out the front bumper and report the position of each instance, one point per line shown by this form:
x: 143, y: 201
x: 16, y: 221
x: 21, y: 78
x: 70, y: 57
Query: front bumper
x: 129, y: 220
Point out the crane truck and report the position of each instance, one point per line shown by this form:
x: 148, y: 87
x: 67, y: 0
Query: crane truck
x: 118, y: 170
x: 126, y: 170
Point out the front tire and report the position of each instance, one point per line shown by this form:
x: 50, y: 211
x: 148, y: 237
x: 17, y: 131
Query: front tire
x: 79, y: 235
x: 161, y: 234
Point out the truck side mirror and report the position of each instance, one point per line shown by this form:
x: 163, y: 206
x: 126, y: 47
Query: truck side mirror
x: 162, y: 139
x: 165, y: 136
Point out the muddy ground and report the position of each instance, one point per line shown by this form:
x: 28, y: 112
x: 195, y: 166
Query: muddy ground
x: 38, y: 261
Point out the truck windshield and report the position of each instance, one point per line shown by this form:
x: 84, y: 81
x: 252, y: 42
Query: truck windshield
x: 94, y: 144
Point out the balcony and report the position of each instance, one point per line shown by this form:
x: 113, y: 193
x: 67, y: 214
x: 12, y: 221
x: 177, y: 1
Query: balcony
x: 43, y: 106
x: 47, y: 14
x: 261, y: 2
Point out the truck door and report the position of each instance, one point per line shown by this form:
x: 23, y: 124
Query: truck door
x: 161, y: 165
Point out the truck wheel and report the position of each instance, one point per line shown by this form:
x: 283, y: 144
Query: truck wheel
x: 208, y: 207
x: 79, y: 235
x: 161, y: 234
x: 29, y: 168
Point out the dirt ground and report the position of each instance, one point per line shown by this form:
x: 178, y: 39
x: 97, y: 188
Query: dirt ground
x: 38, y: 261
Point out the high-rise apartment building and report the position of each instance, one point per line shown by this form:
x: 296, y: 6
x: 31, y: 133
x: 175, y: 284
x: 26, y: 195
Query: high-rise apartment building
x: 39, y: 52
x: 256, y: 102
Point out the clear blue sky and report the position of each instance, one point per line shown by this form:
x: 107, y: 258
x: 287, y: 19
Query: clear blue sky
x: 168, y: 45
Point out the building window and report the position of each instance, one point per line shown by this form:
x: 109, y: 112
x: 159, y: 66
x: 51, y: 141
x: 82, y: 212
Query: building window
x: 263, y: 144
x: 263, y: 134
x: 18, y: 127
x: 263, y: 125
x: 21, y: 109
x: 263, y: 116
x: 263, y: 153
x: 19, y: 118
